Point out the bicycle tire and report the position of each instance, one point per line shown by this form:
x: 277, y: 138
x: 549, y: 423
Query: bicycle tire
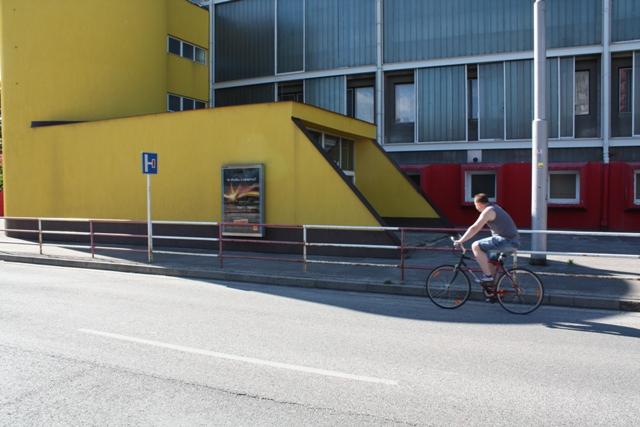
x: 448, y: 287
x: 520, y: 291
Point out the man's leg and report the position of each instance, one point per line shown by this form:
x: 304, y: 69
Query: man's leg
x: 482, y: 258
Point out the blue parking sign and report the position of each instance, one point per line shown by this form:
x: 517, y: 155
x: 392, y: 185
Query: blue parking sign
x: 149, y: 163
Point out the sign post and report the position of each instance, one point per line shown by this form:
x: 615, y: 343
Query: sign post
x: 149, y: 167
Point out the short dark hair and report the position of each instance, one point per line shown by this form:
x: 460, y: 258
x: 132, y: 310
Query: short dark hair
x: 481, y: 198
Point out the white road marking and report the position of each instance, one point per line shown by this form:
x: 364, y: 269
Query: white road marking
x: 242, y: 358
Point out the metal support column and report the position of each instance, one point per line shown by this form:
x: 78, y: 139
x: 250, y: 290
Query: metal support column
x: 539, y: 146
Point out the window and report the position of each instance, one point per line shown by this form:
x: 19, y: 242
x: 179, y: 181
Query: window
x: 361, y: 97
x: 564, y: 187
x: 625, y: 78
x: 636, y: 185
x: 174, y: 46
x: 480, y: 182
x: 291, y: 91
x: 473, y: 98
x: 472, y: 102
x: 405, y: 97
x: 186, y: 50
x: 400, y: 108
x: 340, y: 150
x: 582, y: 93
x: 175, y: 103
x: 363, y: 104
x: 182, y: 103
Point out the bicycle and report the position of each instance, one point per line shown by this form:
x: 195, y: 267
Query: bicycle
x: 517, y: 289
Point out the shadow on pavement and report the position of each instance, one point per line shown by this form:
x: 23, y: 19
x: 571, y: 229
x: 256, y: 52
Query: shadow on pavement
x: 421, y: 309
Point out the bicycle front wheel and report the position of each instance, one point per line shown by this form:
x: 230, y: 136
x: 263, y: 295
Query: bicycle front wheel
x: 519, y: 291
x: 448, y: 287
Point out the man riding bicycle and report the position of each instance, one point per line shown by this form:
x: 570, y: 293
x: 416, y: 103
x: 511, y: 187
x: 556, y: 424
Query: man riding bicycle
x: 504, y: 234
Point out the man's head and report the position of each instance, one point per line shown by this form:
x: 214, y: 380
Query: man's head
x: 481, y: 201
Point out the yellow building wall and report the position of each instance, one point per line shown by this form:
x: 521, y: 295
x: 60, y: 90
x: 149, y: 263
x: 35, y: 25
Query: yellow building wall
x: 71, y: 60
x: 93, y: 170
x: 189, y: 23
x: 187, y: 78
x: 386, y: 188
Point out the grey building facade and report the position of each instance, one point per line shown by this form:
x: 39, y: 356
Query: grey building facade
x: 440, y: 78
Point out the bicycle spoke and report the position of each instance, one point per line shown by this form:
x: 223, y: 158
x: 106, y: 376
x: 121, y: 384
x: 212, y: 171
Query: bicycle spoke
x: 448, y: 287
x: 520, y: 291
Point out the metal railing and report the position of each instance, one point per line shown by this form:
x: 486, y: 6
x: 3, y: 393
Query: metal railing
x: 397, y: 241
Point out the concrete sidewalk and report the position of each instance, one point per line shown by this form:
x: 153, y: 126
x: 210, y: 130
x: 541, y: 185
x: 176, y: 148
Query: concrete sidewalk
x: 591, y: 282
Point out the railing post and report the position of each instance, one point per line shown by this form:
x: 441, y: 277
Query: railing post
x: 304, y: 247
x: 402, y: 254
x: 220, y: 251
x: 150, y: 241
x: 91, y: 240
x: 40, y: 234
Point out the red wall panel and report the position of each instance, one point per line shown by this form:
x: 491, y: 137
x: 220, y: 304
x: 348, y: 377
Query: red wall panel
x: 606, y: 194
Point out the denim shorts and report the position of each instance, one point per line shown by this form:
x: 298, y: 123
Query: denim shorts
x: 498, y: 244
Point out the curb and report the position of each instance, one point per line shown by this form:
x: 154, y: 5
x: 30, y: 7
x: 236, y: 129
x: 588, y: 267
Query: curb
x: 562, y: 300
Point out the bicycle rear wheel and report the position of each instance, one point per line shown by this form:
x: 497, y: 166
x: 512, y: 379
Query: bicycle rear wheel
x: 448, y: 287
x: 519, y: 291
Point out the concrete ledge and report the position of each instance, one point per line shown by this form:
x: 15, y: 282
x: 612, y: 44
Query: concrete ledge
x: 563, y: 300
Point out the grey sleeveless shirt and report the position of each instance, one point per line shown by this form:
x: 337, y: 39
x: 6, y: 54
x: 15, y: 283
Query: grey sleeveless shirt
x: 503, y: 225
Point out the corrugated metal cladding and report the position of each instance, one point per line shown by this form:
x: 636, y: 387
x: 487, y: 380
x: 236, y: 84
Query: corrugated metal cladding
x: 245, y: 95
x: 442, y: 104
x: 244, y: 39
x: 625, y: 15
x: 573, y: 22
x: 519, y: 98
x: 340, y: 33
x: 491, y: 97
x: 567, y: 109
x: 636, y: 93
x: 290, y: 35
x: 425, y: 29
x: 327, y: 92
x: 552, y: 97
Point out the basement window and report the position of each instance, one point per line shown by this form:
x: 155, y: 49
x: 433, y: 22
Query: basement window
x: 186, y: 50
x: 564, y: 187
x: 479, y: 182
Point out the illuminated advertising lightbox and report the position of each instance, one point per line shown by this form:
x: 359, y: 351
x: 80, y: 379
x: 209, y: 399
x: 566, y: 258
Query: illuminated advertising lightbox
x: 243, y: 200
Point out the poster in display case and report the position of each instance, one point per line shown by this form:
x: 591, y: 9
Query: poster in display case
x: 243, y: 200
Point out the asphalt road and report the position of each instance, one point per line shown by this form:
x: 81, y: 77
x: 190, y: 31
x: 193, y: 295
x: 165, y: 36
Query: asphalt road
x: 84, y: 347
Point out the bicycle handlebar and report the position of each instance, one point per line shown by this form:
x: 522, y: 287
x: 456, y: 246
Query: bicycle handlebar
x: 461, y: 245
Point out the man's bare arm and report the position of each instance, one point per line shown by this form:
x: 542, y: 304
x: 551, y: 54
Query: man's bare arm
x: 486, y: 215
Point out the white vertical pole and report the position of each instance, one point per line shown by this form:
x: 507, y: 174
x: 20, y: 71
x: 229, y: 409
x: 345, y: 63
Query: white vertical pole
x: 539, y: 145
x: 379, y: 104
x: 149, y: 225
x: 606, y: 79
x: 212, y: 53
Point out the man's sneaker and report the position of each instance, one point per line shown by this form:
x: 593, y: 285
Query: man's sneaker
x: 485, y: 280
x: 491, y: 299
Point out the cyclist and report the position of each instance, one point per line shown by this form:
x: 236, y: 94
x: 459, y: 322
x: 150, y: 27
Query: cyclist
x: 504, y: 234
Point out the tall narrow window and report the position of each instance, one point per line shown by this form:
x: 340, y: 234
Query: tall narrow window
x: 625, y: 79
x: 405, y: 97
x: 363, y: 104
x: 582, y: 93
x: 361, y: 97
x: 400, y: 108
x: 472, y: 102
